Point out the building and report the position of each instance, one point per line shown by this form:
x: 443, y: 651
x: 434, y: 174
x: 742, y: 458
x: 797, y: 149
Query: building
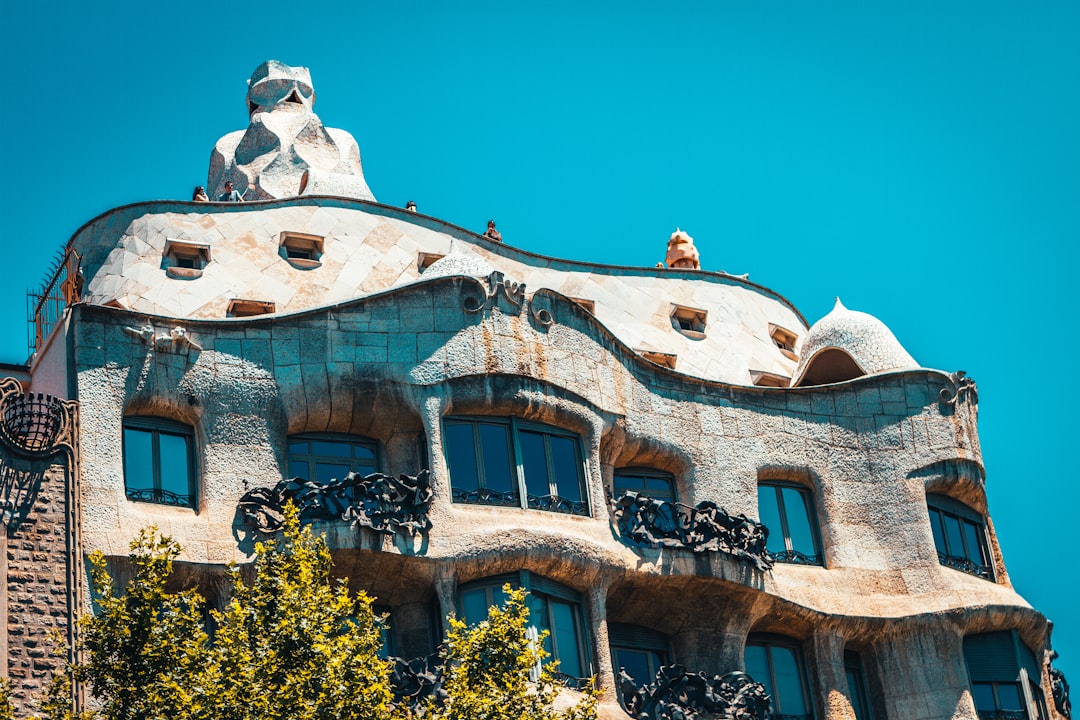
x: 675, y: 462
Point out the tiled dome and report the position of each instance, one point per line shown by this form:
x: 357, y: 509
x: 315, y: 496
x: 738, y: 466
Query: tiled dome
x: 846, y: 344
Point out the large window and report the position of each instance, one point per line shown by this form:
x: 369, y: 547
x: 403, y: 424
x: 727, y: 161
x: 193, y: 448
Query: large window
x: 960, y: 536
x: 637, y: 650
x: 322, y: 458
x: 784, y: 508
x: 552, y: 607
x: 506, y: 461
x: 1004, y: 677
x: 856, y: 682
x: 159, y: 461
x: 651, y: 483
x: 777, y: 663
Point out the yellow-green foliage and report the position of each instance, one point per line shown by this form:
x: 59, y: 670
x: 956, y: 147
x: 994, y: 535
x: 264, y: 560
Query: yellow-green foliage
x: 7, y: 712
x: 487, y: 670
x: 292, y: 645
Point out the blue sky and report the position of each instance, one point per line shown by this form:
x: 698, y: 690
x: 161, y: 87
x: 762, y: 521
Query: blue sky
x: 920, y: 160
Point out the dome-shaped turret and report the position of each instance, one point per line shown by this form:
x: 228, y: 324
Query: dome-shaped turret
x: 459, y: 261
x: 846, y: 344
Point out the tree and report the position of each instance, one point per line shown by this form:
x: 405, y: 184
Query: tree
x: 291, y: 645
x: 488, y: 665
x: 7, y: 712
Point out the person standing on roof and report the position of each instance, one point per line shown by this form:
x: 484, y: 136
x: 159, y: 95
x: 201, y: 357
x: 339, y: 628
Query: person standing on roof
x: 230, y: 195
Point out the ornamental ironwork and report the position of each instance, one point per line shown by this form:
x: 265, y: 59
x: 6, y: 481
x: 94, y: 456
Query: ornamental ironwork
x: 33, y: 429
x: 705, y: 527
x: 1059, y: 688
x: 557, y: 503
x: 676, y: 694
x: 416, y: 681
x: 1002, y: 714
x: 484, y: 496
x: 381, y: 502
x: 965, y: 565
x: 794, y: 557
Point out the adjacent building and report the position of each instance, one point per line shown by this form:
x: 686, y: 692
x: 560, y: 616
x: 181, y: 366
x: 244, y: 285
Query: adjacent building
x: 679, y: 466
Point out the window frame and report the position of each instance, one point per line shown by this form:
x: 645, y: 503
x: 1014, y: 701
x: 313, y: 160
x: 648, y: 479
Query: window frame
x: 519, y: 496
x: 639, y: 638
x: 770, y: 641
x: 645, y: 473
x: 791, y: 555
x: 337, y: 438
x: 156, y: 426
x: 941, y: 506
x: 859, y: 695
x: 540, y: 589
x: 990, y: 657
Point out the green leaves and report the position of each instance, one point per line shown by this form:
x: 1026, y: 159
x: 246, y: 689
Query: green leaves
x: 487, y: 670
x: 291, y: 645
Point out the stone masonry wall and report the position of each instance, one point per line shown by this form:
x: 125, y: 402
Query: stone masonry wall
x: 37, y: 593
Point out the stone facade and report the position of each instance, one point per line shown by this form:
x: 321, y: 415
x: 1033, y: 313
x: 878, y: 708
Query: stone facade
x: 397, y: 335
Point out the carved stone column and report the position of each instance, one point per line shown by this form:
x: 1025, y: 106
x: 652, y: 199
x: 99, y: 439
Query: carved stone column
x: 828, y: 681
x: 3, y: 600
x: 446, y: 589
x: 605, y: 673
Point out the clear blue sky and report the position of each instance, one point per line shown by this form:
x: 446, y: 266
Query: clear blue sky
x: 921, y: 160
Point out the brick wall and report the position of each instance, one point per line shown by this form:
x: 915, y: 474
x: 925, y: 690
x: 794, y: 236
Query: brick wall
x: 37, y: 592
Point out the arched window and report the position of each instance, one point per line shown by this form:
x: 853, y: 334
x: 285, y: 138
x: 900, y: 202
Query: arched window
x: 785, y: 509
x: 328, y: 456
x: 1004, y: 677
x: 159, y: 461
x: 777, y: 663
x: 960, y: 536
x: 644, y: 481
x: 552, y: 607
x: 501, y: 461
x: 638, y: 650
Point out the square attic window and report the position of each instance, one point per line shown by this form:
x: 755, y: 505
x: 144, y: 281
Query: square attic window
x: 302, y: 250
x: 425, y: 260
x: 689, y: 321
x: 665, y: 359
x: 785, y: 340
x: 768, y: 379
x: 247, y: 308
x: 186, y: 259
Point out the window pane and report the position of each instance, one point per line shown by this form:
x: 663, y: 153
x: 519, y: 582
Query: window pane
x: 330, y: 448
x: 974, y: 546
x: 175, y: 466
x: 660, y: 488
x: 939, y: 533
x: 635, y: 663
x: 534, y: 462
x: 566, y: 639
x: 769, y: 512
x: 983, y: 695
x: 952, y: 534
x: 1009, y: 696
x: 299, y: 447
x: 789, y: 689
x: 474, y: 605
x: 623, y: 483
x: 498, y: 469
x: 564, y: 458
x: 798, y: 520
x: 757, y: 666
x: 138, y: 459
x: 364, y: 452
x: 857, y: 694
x: 461, y: 457
x: 298, y: 469
x: 325, y: 472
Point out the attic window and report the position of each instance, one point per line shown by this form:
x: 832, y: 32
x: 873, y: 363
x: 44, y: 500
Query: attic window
x: 425, y: 260
x: 689, y: 321
x: 768, y: 379
x: 587, y: 305
x: 186, y: 259
x: 247, y: 308
x: 665, y: 359
x: 785, y: 340
x: 294, y: 97
x: 302, y: 250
